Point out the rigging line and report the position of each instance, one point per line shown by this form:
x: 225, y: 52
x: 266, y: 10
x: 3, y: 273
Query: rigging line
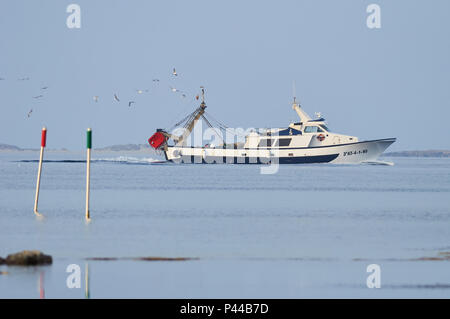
x: 180, y: 122
x: 215, y: 120
x: 221, y: 127
x: 209, y: 124
x: 225, y: 128
x: 185, y: 120
x: 184, y: 108
x: 191, y: 118
x: 188, y: 119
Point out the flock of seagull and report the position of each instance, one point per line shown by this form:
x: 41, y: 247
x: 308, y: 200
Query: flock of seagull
x: 116, y: 98
x: 96, y: 98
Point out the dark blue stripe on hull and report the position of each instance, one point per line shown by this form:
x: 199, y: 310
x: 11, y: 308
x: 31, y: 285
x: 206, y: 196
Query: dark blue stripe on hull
x: 247, y: 160
x: 308, y: 159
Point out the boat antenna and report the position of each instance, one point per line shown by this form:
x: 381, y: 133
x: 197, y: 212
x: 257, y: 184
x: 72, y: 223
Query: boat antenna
x: 293, y: 91
x: 203, y: 104
x: 203, y: 93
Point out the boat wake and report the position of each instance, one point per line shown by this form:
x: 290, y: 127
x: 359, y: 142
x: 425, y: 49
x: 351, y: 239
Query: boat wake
x: 117, y: 160
x: 378, y: 163
x: 129, y: 160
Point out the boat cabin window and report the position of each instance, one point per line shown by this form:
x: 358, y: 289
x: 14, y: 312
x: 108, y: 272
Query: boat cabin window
x: 284, y: 141
x: 324, y: 127
x: 289, y: 131
x: 313, y: 129
x: 266, y: 142
x: 273, y: 142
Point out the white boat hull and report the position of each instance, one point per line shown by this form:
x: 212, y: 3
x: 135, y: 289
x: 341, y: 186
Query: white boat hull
x: 351, y: 153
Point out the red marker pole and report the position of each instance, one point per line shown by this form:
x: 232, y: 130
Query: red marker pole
x: 41, y: 286
x: 43, y: 142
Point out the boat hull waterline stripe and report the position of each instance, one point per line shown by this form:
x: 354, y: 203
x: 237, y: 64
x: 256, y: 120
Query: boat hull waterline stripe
x: 254, y: 160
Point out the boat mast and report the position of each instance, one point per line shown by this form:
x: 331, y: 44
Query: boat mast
x: 194, y: 119
x: 302, y: 114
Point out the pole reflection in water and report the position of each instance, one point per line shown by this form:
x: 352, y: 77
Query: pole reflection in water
x: 87, y: 293
x: 41, y: 286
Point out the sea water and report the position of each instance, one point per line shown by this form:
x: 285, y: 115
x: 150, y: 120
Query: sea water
x: 306, y: 231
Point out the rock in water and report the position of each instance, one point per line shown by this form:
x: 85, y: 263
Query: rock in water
x: 29, y: 258
x: 2, y: 261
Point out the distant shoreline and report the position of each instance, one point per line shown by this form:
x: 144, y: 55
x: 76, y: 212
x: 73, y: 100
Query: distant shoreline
x: 146, y: 148
x: 426, y: 153
x: 112, y: 148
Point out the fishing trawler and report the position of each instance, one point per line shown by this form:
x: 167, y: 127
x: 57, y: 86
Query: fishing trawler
x: 306, y: 141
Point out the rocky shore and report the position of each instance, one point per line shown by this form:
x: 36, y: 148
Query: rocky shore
x: 27, y: 258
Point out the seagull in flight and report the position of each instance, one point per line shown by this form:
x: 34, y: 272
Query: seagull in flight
x: 142, y: 91
x: 96, y: 98
x: 29, y: 113
x: 174, y: 89
x: 23, y: 79
x: 116, y: 98
x: 131, y: 102
x: 44, y: 88
x: 155, y: 80
x: 174, y: 72
x: 38, y: 96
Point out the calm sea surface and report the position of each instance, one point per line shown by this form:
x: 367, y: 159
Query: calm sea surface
x: 307, y: 231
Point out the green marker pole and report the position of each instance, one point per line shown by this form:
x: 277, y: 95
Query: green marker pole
x: 87, y: 293
x: 88, y: 169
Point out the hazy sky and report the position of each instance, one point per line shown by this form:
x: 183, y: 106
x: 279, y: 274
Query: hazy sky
x: 371, y: 83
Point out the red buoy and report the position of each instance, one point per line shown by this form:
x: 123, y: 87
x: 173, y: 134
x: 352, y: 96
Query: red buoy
x: 157, y: 140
